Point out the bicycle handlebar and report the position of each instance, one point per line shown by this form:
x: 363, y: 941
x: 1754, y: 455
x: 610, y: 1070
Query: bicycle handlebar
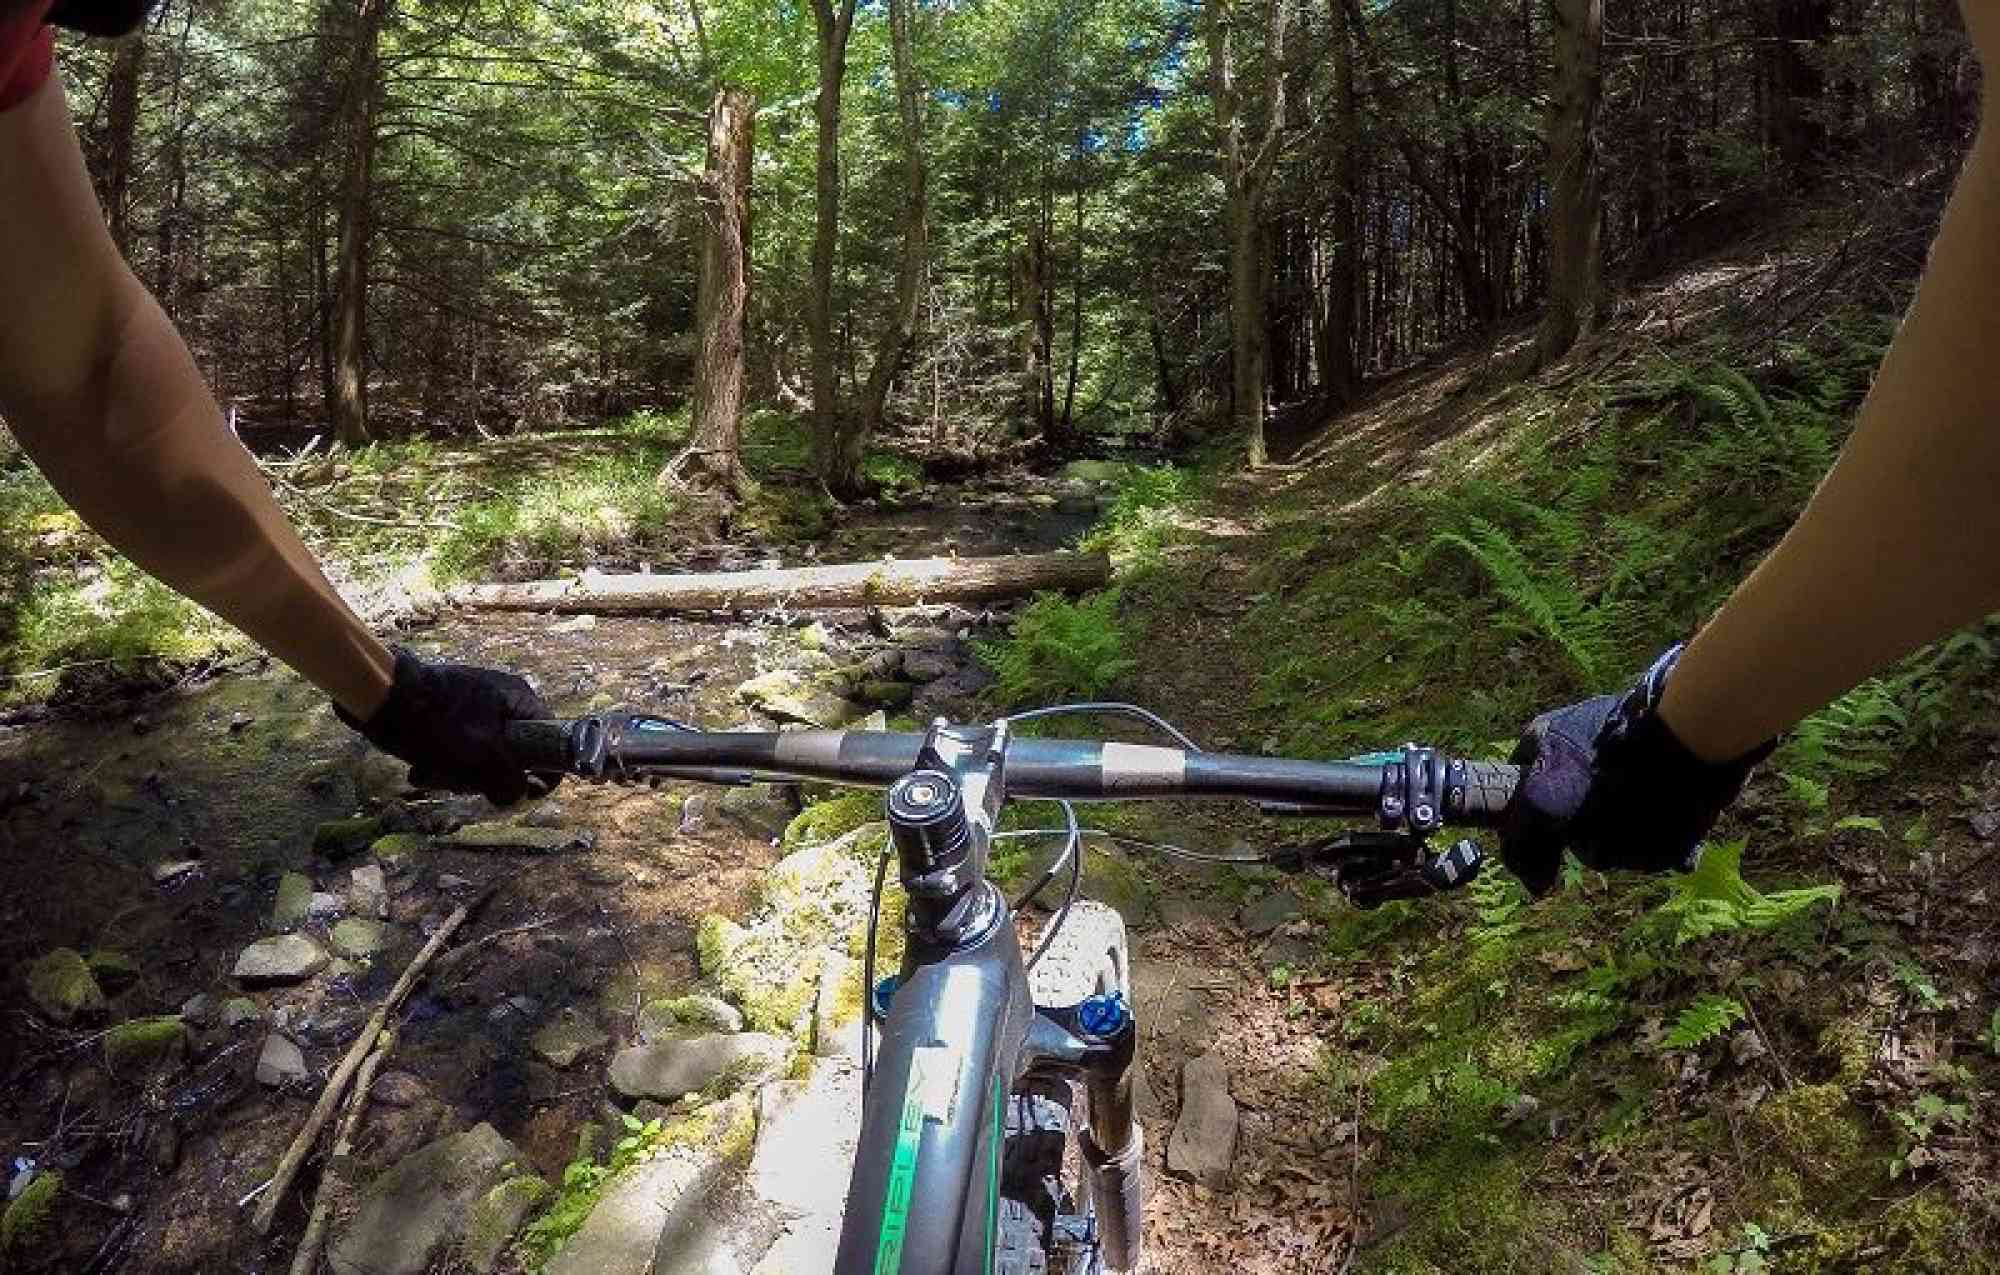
x: 606, y: 746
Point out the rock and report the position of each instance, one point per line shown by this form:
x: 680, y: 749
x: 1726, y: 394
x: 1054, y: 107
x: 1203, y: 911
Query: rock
x: 837, y: 1009
x: 927, y: 666
x: 1146, y: 1102
x: 657, y: 1198
x: 576, y: 624
x: 1270, y: 912
x: 1520, y: 1108
x: 111, y: 967
x: 885, y: 694
x: 285, y: 959
x: 1986, y: 825
x: 1204, y: 1138
x: 719, y: 1062
x: 240, y: 1009
x: 368, y: 892
x: 163, y: 1147
x: 814, y: 637
x: 497, y: 1216
x: 146, y: 1044
x: 281, y: 1062
x: 694, y: 812
x: 761, y: 809
x: 63, y: 988
x: 397, y: 1089
x: 199, y: 1010
x: 326, y: 906
x: 686, y: 1016
x: 802, y: 1127
x: 359, y: 938
x: 451, y: 883
x: 25, y: 1178
x: 512, y: 836
x: 568, y: 1038
x: 171, y: 871
x: 397, y: 851
x: 339, y: 838
x: 791, y: 696
x: 295, y: 895
x: 27, y: 1227
x: 416, y: 1213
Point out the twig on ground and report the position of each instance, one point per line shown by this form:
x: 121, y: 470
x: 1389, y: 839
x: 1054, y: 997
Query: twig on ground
x: 333, y: 1181
x: 295, y: 1155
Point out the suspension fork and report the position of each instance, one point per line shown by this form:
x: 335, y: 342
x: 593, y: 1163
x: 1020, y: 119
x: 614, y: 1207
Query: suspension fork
x: 1097, y: 1041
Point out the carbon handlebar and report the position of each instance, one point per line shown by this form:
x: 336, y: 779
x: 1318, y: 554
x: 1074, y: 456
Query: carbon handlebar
x: 610, y: 745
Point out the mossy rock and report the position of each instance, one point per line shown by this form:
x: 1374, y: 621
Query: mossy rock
x: 111, y: 967
x: 497, y: 1216
x: 294, y: 902
x: 27, y: 1228
x: 339, y: 838
x: 63, y: 987
x: 832, y: 819
x: 397, y: 851
x: 761, y: 972
x: 686, y: 1015
x: 881, y: 693
x: 146, y: 1043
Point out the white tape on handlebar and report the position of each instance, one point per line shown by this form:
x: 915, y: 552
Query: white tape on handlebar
x: 1143, y: 766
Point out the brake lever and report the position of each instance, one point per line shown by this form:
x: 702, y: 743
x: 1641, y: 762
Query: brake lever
x: 1373, y: 868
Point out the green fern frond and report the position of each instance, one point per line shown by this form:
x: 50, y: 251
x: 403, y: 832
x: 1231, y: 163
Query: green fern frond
x: 1715, y: 899
x: 1707, y: 1018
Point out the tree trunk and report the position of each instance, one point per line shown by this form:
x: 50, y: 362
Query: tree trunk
x: 1060, y: 436
x: 714, y: 454
x: 350, y: 338
x: 1336, y: 344
x: 1795, y: 81
x: 1031, y: 313
x: 1246, y: 172
x: 833, y: 27
x: 890, y: 583
x: 1576, y: 211
x: 895, y: 342
x: 121, y: 124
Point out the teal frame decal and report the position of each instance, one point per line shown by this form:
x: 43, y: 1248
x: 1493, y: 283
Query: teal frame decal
x: 902, y: 1174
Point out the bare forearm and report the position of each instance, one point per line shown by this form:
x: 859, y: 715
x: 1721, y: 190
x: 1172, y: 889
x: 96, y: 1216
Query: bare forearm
x: 1901, y: 544
x: 141, y: 453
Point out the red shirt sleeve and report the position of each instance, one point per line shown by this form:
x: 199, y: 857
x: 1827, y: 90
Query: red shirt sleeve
x: 27, y: 51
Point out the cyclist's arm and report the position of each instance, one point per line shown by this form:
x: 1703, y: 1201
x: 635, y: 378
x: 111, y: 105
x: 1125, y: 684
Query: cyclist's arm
x: 1901, y: 544
x: 104, y: 395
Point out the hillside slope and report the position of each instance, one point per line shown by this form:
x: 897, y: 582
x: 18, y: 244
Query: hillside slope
x: 1785, y: 1065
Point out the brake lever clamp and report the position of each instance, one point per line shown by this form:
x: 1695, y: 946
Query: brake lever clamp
x: 1413, y: 792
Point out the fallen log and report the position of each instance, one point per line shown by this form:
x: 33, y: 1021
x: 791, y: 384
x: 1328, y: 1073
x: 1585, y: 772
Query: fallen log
x: 891, y: 582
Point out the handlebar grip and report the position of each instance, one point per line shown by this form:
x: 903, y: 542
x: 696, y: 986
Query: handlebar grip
x: 1488, y: 788
x: 542, y: 746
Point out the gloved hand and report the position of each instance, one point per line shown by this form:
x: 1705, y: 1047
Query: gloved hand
x: 449, y: 722
x: 1607, y: 780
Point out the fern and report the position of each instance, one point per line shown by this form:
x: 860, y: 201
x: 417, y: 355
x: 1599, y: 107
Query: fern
x: 1060, y: 649
x: 1550, y: 604
x: 1715, y: 899
x: 1708, y: 1017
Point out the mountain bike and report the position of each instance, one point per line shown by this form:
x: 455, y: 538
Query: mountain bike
x: 997, y: 1134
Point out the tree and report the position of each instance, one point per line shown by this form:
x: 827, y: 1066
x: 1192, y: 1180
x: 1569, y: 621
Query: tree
x: 714, y: 453
x: 1576, y: 211
x: 357, y: 117
x: 896, y: 333
x: 1247, y: 162
x: 834, y: 25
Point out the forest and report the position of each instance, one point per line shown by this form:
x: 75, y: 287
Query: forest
x: 1318, y: 375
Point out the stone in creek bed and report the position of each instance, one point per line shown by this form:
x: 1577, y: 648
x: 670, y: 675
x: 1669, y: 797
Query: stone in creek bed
x: 562, y: 1042
x: 281, y: 1062
x: 509, y: 836
x: 368, y: 892
x: 294, y: 904
x: 358, y: 938
x: 669, y: 1068
x: 288, y: 958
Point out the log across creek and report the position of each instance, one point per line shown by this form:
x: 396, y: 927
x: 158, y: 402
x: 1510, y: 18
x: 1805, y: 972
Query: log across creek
x: 890, y: 582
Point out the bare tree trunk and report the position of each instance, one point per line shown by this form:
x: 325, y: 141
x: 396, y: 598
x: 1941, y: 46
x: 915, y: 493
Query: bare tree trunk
x: 895, y: 342
x: 1576, y: 211
x: 350, y: 338
x: 1247, y: 167
x: 833, y: 26
x: 121, y: 124
x: 1031, y: 312
x: 714, y: 454
x: 1337, y: 342
x: 1063, y: 431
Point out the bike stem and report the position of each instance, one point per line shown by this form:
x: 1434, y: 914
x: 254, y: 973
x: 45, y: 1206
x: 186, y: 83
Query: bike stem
x: 942, y: 816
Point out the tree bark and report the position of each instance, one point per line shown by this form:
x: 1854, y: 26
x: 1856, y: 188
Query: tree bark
x: 896, y: 334
x: 1336, y: 339
x: 121, y: 125
x: 834, y: 25
x: 714, y: 455
x: 1031, y: 267
x: 1576, y: 211
x: 350, y: 337
x: 1246, y: 169
x: 893, y: 583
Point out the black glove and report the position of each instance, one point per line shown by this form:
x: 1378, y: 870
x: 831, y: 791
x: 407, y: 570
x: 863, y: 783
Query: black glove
x: 101, y: 17
x: 449, y: 722
x: 1608, y: 780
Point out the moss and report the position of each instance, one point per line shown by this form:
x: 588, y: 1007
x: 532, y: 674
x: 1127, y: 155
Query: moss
x: 398, y: 845
x: 62, y: 985
x: 498, y: 1215
x: 338, y: 838
x: 26, y: 1225
x: 1818, y: 1131
x: 145, y: 1042
x: 294, y: 902
x: 715, y: 938
x: 111, y: 967
x: 832, y: 819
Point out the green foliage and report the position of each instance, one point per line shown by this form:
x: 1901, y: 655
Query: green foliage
x: 1917, y: 1124
x: 106, y: 620
x: 1704, y: 1020
x: 1715, y: 899
x: 892, y: 475
x: 1541, y: 603
x: 1060, y: 649
x: 1750, y: 1255
x: 1991, y: 1036
x: 547, y: 521
x: 1140, y: 520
